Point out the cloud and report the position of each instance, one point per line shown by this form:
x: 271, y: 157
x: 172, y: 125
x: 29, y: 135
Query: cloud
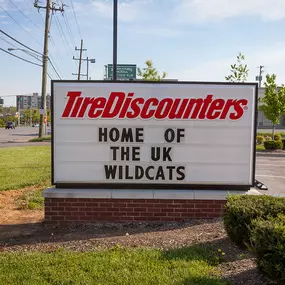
x: 272, y: 57
x: 197, y: 11
x: 128, y: 11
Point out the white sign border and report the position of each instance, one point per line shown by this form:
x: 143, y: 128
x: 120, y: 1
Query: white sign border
x: 157, y: 186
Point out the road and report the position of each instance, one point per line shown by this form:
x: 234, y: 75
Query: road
x: 22, y: 134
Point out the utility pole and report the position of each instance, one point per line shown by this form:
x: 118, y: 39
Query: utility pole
x: 87, y: 59
x: 49, y: 7
x: 259, y: 77
x: 80, y: 60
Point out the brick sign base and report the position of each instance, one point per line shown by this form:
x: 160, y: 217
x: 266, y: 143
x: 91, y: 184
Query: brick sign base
x: 63, y: 206
x: 61, y: 210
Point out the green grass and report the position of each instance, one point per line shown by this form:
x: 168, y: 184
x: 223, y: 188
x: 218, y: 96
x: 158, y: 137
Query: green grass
x: 193, y: 266
x: 31, y: 200
x: 260, y: 147
x: 42, y: 139
x: 24, y: 166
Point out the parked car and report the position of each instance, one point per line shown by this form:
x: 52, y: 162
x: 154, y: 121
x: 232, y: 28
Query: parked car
x: 10, y: 125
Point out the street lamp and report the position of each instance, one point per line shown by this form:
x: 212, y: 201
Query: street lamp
x: 34, y: 55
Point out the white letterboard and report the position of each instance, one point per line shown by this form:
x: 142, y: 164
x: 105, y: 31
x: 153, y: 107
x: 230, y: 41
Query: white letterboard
x: 153, y: 134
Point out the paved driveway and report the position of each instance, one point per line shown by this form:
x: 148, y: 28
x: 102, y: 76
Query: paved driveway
x: 271, y: 172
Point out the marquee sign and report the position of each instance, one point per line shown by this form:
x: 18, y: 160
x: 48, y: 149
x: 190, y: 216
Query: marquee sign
x: 153, y: 134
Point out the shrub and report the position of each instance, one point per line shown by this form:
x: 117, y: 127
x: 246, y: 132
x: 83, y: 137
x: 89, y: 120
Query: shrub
x: 268, y: 138
x: 277, y: 137
x: 260, y: 139
x: 241, y: 210
x: 273, y: 144
x: 268, y: 239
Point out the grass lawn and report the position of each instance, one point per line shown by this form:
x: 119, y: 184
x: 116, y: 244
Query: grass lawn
x: 24, y: 166
x: 193, y: 265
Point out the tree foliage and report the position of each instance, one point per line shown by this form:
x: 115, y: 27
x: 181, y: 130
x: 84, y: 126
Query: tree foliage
x: 273, y: 102
x: 150, y: 72
x: 239, y: 70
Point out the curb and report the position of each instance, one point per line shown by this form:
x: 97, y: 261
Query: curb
x: 264, y: 154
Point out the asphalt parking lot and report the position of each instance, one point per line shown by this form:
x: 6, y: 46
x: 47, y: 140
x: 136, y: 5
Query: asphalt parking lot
x: 271, y: 172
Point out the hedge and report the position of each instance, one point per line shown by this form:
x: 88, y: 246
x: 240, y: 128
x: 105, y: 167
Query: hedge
x: 273, y: 144
x: 241, y: 210
x: 268, y: 241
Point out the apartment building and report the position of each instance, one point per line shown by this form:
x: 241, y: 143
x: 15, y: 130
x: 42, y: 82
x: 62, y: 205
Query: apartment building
x: 32, y: 101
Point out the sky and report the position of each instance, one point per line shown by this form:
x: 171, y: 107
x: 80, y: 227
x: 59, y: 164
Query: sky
x: 193, y: 40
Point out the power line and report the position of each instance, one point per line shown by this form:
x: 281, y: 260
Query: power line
x: 68, y: 28
x: 20, y: 57
x: 26, y: 16
x: 7, y: 42
x: 1, y: 31
x: 75, y: 19
x: 67, y: 23
x: 20, y: 25
x: 54, y: 68
x: 26, y: 51
x: 62, y: 36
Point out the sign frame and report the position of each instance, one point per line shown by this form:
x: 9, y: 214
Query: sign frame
x: 156, y: 186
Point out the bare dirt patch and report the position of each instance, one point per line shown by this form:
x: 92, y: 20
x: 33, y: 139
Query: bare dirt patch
x: 9, y: 213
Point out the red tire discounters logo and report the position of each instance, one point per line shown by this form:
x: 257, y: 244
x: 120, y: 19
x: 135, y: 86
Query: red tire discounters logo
x: 127, y: 106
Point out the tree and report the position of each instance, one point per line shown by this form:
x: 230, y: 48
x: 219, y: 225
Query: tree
x: 239, y: 71
x: 273, y: 102
x: 150, y: 73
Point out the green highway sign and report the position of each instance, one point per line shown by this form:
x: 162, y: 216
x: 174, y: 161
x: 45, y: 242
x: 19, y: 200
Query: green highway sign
x: 124, y: 71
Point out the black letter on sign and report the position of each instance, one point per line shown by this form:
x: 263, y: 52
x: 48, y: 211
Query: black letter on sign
x: 102, y: 134
x: 110, y: 170
x: 139, y: 134
x: 136, y: 153
x: 160, y: 173
x: 169, y: 135
x: 180, y: 134
x: 114, y: 149
x: 139, y: 172
x: 166, y: 151
x: 114, y: 134
x: 147, y: 172
x: 181, y: 172
x: 155, y: 153
x: 127, y: 135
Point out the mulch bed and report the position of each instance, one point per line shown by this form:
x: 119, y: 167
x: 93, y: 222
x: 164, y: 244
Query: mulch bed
x: 238, y: 268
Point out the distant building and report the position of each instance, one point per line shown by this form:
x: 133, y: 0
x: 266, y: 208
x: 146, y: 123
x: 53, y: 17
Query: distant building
x: 32, y: 101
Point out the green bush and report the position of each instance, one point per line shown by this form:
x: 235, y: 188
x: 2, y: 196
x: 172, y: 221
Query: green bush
x: 241, y: 210
x: 277, y: 137
x: 269, y: 134
x: 268, y: 239
x: 273, y: 144
x: 260, y: 139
